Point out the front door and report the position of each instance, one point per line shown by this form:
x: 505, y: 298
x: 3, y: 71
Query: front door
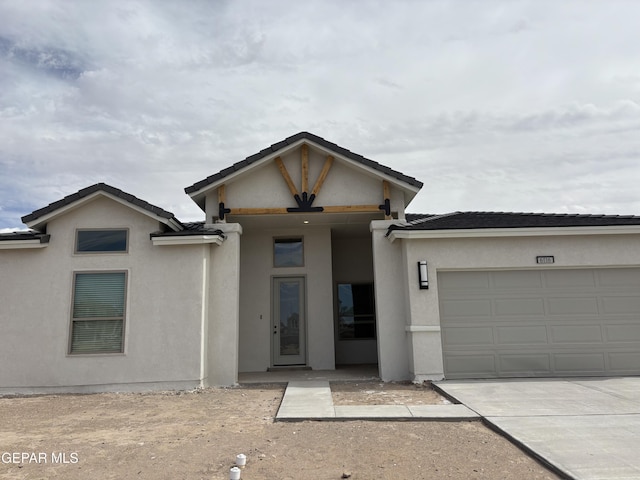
x: 289, y: 321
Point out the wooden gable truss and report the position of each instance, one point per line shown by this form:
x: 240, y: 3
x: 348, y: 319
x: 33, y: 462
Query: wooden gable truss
x: 305, y: 199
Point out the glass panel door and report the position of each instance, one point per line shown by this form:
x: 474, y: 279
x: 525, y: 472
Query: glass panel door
x: 289, y: 321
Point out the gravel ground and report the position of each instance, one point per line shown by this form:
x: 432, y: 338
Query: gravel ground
x: 197, y: 435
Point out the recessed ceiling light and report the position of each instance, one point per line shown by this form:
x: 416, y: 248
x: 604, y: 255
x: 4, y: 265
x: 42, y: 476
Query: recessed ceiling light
x: 305, y: 221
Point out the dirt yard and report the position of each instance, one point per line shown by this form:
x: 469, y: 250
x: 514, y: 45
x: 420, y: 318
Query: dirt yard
x: 196, y: 435
x: 381, y: 393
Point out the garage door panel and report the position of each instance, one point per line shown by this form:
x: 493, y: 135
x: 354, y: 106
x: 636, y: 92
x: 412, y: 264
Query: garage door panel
x: 623, y: 333
x: 572, y: 305
x: 579, y: 363
x: 470, y: 366
x: 525, y: 364
x: 547, y: 322
x: 516, y: 279
x: 522, y: 335
x: 573, y: 334
x: 469, y: 336
x: 467, y: 308
x: 623, y: 277
x: 569, y: 278
x: 621, y: 305
x: 471, y: 280
x: 624, y: 362
x: 519, y: 306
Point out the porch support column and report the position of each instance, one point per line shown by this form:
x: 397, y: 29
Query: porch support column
x: 423, y: 324
x: 224, y: 309
x: 391, y: 311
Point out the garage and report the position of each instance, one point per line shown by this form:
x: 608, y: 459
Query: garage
x: 540, y: 323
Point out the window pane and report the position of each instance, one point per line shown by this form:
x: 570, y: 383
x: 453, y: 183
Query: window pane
x: 99, y: 295
x: 288, y: 252
x: 102, y: 241
x: 356, y: 311
x: 96, y: 336
x: 362, y: 299
x: 289, y: 307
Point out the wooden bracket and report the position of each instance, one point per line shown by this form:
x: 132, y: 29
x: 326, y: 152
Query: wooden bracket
x: 386, y: 196
x: 305, y: 204
x: 222, y: 211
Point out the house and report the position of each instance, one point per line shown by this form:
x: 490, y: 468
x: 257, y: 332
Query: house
x: 307, y: 257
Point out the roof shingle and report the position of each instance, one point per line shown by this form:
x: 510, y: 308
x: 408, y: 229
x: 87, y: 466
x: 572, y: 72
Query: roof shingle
x: 478, y: 220
x: 95, y: 188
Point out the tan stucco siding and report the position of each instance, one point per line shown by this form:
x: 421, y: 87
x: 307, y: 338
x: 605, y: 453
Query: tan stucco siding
x: 163, y: 308
x: 256, y: 274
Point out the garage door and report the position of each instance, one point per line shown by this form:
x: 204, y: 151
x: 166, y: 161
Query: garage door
x: 540, y: 323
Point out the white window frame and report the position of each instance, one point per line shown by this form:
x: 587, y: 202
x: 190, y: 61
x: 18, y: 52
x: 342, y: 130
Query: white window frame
x: 101, y: 252
x: 73, y: 319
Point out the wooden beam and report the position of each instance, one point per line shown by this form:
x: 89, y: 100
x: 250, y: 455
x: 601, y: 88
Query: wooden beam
x: 257, y: 211
x: 386, y: 195
x: 323, y: 174
x: 221, y: 194
x: 287, y: 178
x: 352, y: 208
x: 305, y: 167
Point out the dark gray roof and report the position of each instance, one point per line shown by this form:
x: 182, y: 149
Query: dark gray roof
x: 293, y: 139
x: 95, y: 188
x: 477, y: 220
x: 25, y: 235
x: 191, y: 228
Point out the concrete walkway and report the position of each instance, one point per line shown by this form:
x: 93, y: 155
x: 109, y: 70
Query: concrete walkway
x: 588, y: 429
x: 312, y: 400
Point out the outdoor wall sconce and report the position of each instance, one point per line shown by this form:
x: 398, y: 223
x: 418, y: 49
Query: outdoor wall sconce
x: 423, y: 277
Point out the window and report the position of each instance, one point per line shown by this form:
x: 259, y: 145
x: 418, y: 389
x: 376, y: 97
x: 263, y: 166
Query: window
x: 97, y: 319
x: 101, y: 241
x: 288, y: 252
x: 356, y: 311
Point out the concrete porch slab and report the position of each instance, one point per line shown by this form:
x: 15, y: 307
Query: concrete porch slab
x: 304, y: 400
x: 312, y: 400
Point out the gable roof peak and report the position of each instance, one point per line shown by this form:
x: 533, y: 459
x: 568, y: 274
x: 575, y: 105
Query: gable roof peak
x: 293, y: 139
x: 39, y: 217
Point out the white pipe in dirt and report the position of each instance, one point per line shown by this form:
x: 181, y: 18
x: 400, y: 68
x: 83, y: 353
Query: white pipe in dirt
x: 241, y: 460
x: 234, y: 473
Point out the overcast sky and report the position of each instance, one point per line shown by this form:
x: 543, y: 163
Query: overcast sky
x: 494, y: 105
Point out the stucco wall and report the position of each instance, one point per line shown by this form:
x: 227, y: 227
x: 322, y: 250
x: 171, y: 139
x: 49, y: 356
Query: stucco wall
x: 222, y: 328
x: 163, y: 311
x: 493, y: 253
x: 391, y: 312
x: 256, y: 273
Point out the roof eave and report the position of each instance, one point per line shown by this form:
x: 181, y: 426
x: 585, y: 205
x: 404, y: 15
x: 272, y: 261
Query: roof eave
x: 39, y: 222
x: 512, y: 232
x: 187, y: 240
x: 41, y: 242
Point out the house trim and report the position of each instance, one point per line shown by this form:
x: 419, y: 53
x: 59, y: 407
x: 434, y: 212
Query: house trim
x: 512, y: 232
x: 188, y: 240
x: 21, y: 244
x: 422, y: 328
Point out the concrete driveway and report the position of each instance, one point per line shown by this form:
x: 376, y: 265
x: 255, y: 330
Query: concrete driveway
x: 585, y: 428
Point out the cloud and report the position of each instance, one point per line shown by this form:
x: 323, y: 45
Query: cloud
x: 517, y: 105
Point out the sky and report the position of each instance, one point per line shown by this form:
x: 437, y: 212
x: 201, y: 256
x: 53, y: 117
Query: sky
x: 496, y: 105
